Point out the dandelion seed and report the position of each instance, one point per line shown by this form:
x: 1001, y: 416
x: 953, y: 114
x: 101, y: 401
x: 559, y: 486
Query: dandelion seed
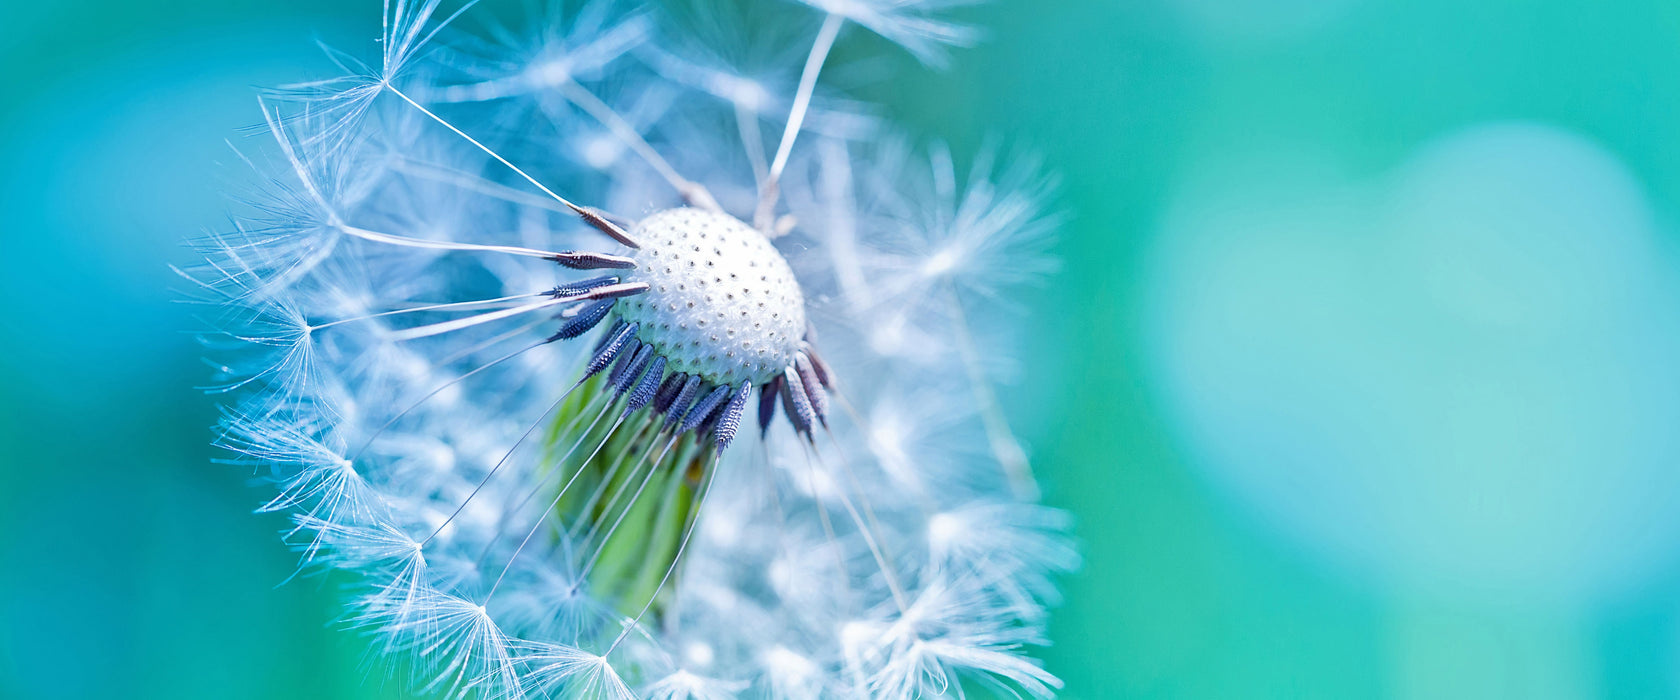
x: 914, y: 24
x: 498, y: 327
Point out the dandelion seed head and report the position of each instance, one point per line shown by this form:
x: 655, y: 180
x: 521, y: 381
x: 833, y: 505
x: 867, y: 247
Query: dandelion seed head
x: 639, y: 400
x: 722, y: 303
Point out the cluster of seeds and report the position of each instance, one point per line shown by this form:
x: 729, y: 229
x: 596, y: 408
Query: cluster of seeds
x: 721, y: 302
x: 526, y: 517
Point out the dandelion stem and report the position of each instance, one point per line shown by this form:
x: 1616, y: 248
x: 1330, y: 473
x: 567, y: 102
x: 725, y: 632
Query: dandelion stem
x: 551, y: 506
x: 452, y: 306
x: 752, y: 141
x: 796, y: 116
x: 694, y: 193
x: 851, y: 475
x: 439, y: 390
x: 501, y: 462
x: 501, y: 527
x: 408, y: 242
x: 776, y: 505
x: 482, y: 147
x: 868, y: 535
x: 493, y: 340
x: 874, y: 442
x: 472, y: 183
x: 428, y: 331
x: 1004, y: 446
x: 587, y: 214
x: 840, y: 573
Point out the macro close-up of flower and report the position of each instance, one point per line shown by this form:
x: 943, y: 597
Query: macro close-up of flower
x: 839, y: 350
x: 693, y: 428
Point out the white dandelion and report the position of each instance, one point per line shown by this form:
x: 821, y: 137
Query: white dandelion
x: 599, y: 388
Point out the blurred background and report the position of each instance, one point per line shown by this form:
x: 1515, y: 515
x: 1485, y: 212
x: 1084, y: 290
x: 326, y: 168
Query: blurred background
x: 1364, y: 364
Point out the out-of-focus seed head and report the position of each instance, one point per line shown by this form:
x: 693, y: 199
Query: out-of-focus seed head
x: 721, y: 303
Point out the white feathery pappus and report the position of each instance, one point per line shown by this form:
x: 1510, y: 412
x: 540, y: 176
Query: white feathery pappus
x: 522, y: 419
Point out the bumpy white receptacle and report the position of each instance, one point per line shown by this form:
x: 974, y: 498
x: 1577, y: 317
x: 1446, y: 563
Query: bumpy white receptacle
x: 721, y: 303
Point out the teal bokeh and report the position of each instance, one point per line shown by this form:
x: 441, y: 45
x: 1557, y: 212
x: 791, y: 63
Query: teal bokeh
x: 1359, y: 374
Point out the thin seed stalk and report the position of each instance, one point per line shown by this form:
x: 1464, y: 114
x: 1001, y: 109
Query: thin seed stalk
x: 635, y: 554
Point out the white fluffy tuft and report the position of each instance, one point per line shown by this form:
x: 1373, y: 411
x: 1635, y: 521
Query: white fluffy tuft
x: 384, y: 312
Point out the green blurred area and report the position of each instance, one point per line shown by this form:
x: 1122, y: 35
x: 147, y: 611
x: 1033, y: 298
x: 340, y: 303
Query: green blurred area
x: 132, y: 566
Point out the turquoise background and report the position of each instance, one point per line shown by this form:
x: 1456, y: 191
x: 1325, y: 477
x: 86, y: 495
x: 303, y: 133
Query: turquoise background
x: 1360, y: 374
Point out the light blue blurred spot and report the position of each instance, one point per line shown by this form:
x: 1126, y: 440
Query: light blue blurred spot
x: 1457, y: 378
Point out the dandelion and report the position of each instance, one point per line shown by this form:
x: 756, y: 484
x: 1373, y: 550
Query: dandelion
x: 597, y: 389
